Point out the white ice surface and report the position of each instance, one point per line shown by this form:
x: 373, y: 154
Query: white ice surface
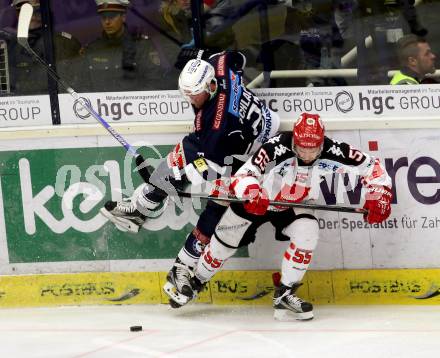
x: 219, y: 331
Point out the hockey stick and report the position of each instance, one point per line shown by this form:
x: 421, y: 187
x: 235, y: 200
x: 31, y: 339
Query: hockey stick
x: 24, y: 20
x: 344, y: 209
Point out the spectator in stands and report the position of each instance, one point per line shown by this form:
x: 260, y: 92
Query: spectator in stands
x: 176, y: 19
x: 386, y: 21
x: 416, y: 60
x: 26, y: 75
x: 218, y: 16
x: 119, y: 60
x: 176, y: 16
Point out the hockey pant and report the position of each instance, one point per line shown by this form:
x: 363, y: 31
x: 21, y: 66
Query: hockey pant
x: 237, y: 228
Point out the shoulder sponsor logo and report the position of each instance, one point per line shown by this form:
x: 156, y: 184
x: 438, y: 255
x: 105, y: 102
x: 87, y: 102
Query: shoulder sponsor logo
x: 275, y: 139
x: 198, y: 121
x: 336, y: 151
x: 236, y: 90
x: 220, y: 68
x: 201, y: 165
x: 219, y: 112
x: 267, y: 125
x: 280, y: 150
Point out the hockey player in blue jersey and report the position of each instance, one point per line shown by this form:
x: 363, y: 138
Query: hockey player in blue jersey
x: 229, y: 120
x: 289, y: 167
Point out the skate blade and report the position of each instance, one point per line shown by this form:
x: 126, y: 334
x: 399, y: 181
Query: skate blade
x: 122, y: 224
x: 285, y: 315
x: 173, y: 295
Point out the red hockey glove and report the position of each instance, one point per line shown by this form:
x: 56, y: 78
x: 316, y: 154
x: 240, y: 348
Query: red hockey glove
x: 257, y: 200
x: 378, y: 204
x: 220, y: 189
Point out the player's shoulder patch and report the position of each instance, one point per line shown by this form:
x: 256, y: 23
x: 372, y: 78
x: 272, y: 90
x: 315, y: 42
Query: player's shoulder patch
x: 333, y: 148
x: 284, y: 138
x: 201, y: 165
x: 219, y: 110
x: 220, y: 67
x: 235, y: 91
x: 279, y: 146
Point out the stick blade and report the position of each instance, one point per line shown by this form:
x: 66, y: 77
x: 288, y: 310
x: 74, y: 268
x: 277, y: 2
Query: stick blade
x: 24, y: 21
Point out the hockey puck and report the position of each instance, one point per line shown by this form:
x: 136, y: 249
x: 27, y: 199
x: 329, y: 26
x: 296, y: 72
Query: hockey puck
x: 135, y: 328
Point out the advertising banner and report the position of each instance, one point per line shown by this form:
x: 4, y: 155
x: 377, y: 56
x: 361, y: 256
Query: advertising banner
x: 49, y: 210
x: 391, y: 103
x: 333, y: 103
x: 366, y: 102
x: 143, y: 106
x: 50, y: 200
x: 25, y: 111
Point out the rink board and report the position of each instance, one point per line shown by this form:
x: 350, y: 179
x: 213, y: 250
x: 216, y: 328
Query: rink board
x: 51, y: 191
x: 406, y: 287
x: 56, y: 249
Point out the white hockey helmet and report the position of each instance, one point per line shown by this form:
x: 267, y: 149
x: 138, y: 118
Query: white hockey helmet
x: 196, y: 77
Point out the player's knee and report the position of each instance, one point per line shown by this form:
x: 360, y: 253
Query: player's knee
x: 209, y: 218
x: 218, y: 250
x: 232, y: 228
x: 304, y: 232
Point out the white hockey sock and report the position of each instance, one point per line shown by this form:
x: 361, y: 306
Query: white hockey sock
x: 294, y: 265
x: 303, y: 233
x: 212, y: 260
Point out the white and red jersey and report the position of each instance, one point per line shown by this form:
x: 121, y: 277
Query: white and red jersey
x: 276, y: 168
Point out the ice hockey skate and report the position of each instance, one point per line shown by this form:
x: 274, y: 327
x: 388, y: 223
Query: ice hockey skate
x: 181, y: 286
x: 288, y: 306
x: 124, y: 215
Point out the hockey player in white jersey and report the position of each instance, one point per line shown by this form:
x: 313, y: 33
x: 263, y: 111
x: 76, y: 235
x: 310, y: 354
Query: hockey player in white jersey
x: 288, y: 167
